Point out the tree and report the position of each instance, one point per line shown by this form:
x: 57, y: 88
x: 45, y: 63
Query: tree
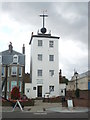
x: 64, y: 80
x: 15, y: 94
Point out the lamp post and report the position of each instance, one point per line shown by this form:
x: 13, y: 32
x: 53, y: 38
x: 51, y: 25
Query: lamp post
x: 77, y: 90
x: 76, y: 75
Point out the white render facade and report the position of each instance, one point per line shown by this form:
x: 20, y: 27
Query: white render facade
x: 82, y: 81
x: 44, y: 66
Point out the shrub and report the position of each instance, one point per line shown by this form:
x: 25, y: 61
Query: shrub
x: 53, y: 99
x: 15, y: 94
x: 29, y: 102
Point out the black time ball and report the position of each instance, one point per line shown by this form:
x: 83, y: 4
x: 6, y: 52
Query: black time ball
x: 43, y: 30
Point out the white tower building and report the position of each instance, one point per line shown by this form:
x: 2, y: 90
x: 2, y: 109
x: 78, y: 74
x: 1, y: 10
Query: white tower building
x: 44, y: 65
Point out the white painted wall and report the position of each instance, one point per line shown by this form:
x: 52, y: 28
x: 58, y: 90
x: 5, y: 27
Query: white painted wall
x: 82, y: 83
x: 45, y: 65
x: 62, y: 87
x: 28, y: 86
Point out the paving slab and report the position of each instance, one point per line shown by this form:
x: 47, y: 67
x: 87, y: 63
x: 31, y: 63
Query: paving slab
x: 46, y: 107
x: 66, y: 109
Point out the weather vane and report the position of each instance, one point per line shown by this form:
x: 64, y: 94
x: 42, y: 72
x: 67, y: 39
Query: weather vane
x: 43, y: 30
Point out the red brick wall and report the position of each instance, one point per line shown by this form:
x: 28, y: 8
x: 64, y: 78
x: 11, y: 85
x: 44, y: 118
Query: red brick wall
x: 82, y: 101
x: 84, y: 94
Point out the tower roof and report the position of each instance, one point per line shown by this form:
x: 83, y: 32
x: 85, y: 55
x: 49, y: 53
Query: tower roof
x: 43, y: 36
x: 43, y: 31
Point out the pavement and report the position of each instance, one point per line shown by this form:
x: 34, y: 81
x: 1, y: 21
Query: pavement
x: 46, y: 108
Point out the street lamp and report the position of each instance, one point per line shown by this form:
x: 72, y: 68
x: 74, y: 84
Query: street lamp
x: 76, y: 75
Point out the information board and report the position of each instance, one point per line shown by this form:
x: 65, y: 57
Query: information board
x: 70, y: 103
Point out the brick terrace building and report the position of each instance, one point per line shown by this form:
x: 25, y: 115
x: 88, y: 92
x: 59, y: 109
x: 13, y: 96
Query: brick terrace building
x: 12, y: 70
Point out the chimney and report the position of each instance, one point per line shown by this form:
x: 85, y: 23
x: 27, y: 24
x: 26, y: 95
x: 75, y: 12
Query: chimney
x: 23, y: 49
x: 32, y: 33
x: 10, y: 47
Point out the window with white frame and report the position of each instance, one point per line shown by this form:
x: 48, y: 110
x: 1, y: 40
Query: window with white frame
x: 39, y: 72
x: 40, y: 42
x: 51, y: 43
x: 8, y: 71
x: 13, y: 84
x: 20, y: 86
x: 8, y: 86
x: 51, y: 88
x: 20, y: 71
x: 7, y: 97
x: 14, y: 70
x: 15, y: 59
x: 51, y: 73
x: 51, y: 57
x: 3, y: 86
x: 40, y: 57
x: 3, y: 71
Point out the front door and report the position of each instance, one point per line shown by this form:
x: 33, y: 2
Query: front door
x: 39, y: 91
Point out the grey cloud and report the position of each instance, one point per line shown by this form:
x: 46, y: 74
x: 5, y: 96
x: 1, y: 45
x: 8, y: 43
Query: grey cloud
x: 73, y: 28
x: 59, y: 22
x: 79, y: 64
x: 28, y: 12
x: 76, y: 28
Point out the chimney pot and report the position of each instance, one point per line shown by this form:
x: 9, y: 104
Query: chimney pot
x: 10, y: 47
x: 23, y: 49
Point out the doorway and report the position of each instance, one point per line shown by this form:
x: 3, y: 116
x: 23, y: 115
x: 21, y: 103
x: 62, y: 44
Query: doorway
x: 39, y: 91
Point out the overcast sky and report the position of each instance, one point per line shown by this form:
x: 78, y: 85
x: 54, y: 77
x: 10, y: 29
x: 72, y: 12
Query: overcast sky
x: 68, y: 20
